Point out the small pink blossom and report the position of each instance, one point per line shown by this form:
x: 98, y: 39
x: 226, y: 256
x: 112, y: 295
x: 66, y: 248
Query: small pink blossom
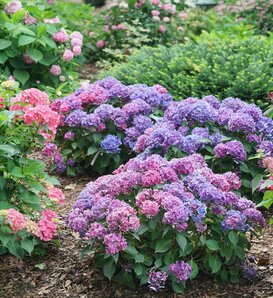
x: 55, y: 193
x: 77, y: 50
x: 162, y: 29
x: 100, y: 44
x: 55, y: 70
x: 56, y: 20
x: 61, y: 36
x: 68, y: 55
x: 16, y: 219
x: 155, y: 13
x: 13, y: 7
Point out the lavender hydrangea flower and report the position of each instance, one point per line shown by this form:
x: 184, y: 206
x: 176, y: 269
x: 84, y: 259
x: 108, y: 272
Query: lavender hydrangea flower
x: 180, y: 270
x: 234, y: 220
x: 74, y: 119
x: 157, y: 280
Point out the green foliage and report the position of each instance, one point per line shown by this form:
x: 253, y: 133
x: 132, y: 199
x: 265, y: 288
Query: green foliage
x: 128, y: 25
x: 224, y: 68
x: 24, y: 182
x: 27, y: 51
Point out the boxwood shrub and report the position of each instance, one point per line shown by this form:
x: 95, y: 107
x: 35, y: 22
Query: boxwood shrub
x: 237, y: 68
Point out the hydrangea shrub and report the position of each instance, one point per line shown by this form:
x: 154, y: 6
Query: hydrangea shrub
x: 228, y: 133
x: 128, y: 25
x: 100, y: 124
x: 35, y: 46
x: 28, y: 195
x: 155, y: 222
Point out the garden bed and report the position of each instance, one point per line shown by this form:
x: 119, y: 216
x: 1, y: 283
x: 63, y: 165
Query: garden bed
x: 65, y: 276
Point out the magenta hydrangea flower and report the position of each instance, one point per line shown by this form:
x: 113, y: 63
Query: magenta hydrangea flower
x: 114, y: 243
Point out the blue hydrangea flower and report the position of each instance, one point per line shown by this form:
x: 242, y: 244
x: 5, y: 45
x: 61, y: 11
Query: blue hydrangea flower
x: 111, y: 144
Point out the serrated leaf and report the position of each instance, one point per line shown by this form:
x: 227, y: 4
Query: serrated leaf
x: 212, y: 244
x: 233, y: 237
x: 35, y: 54
x: 109, y: 269
x: 256, y: 182
x: 182, y: 241
x: 215, y: 263
x: 4, y: 43
x: 27, y: 245
x: 21, y: 75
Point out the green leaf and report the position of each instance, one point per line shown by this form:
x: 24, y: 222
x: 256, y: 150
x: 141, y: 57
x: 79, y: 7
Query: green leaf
x: 178, y: 288
x: 182, y: 241
x: 18, y: 16
x: 256, y: 182
x: 4, y: 43
x: 35, y: 54
x: 163, y: 245
x: 215, y: 263
x: 138, y: 268
x: 30, y: 198
x: 131, y: 250
x: 25, y: 40
x: 195, y: 269
x: 233, y: 237
x: 3, y: 57
x: 17, y: 172
x: 21, y: 75
x: 91, y: 150
x: 27, y: 245
x: 139, y: 258
x: 212, y: 244
x: 109, y: 269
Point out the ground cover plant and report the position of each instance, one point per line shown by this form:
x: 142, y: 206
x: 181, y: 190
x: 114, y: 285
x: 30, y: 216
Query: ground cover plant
x: 28, y: 194
x: 35, y: 46
x: 154, y: 220
x: 100, y: 123
x: 224, y: 68
x: 229, y: 134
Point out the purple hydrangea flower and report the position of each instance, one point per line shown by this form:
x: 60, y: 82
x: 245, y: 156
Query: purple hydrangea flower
x: 157, y: 280
x: 180, y: 270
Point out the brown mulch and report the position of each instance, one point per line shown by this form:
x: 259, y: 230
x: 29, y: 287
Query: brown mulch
x: 63, y: 274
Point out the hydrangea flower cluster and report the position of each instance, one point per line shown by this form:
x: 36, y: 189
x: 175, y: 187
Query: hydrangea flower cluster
x: 36, y: 107
x: 228, y: 133
x: 149, y: 197
x: 109, y: 114
x: 192, y: 124
x: 43, y: 225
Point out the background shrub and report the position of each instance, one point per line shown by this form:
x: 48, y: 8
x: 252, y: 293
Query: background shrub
x: 227, y: 68
x: 35, y: 46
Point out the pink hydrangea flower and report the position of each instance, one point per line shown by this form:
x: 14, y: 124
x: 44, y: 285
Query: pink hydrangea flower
x: 42, y: 115
x: 76, y: 34
x: 155, y: 2
x: 2, y: 100
x: 47, y: 229
x: 77, y: 50
x: 29, y: 20
x: 55, y: 193
x: 61, y: 36
x: 56, y: 20
x: 16, y: 220
x: 155, y: 13
x: 100, y: 44
x: 156, y: 18
x: 76, y: 42
x: 162, y: 29
x: 114, y: 243
x: 149, y: 208
x: 27, y: 59
x: 13, y: 6
x: 68, y: 55
x: 55, y: 70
